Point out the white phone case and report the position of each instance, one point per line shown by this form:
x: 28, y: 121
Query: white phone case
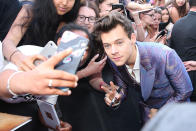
x: 49, y: 50
x: 49, y: 113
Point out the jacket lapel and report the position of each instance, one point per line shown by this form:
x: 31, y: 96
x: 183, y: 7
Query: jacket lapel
x: 147, y: 82
x: 147, y: 75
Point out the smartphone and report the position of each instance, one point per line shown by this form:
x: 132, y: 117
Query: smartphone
x: 79, y: 45
x: 49, y: 114
x: 162, y: 26
x: 49, y: 50
x: 117, y: 6
x: 162, y: 33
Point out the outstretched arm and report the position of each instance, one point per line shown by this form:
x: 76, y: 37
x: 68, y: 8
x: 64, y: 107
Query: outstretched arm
x: 40, y: 81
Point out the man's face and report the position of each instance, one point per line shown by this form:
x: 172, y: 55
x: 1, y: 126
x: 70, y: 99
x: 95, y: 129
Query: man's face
x: 118, y: 46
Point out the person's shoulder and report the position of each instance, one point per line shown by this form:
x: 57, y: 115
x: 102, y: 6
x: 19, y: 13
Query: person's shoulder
x: 153, y: 49
x: 152, y: 45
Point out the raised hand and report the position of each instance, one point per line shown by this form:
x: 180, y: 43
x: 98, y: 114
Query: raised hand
x: 112, y: 96
x: 93, y: 67
x: 44, y: 78
x: 64, y: 127
x: 26, y: 63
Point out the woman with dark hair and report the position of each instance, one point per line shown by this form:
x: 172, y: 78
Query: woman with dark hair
x: 166, y: 21
x: 36, y: 24
x: 178, y: 9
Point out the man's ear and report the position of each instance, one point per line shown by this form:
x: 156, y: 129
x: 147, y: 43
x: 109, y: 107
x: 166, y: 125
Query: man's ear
x: 58, y: 41
x: 133, y: 38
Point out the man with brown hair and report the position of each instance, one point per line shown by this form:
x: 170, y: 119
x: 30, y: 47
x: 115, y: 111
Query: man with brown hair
x: 152, y: 73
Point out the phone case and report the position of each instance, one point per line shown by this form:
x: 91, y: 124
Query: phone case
x: 49, y: 50
x: 49, y: 113
x: 78, y: 45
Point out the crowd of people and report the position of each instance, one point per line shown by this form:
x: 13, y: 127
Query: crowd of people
x: 140, y: 57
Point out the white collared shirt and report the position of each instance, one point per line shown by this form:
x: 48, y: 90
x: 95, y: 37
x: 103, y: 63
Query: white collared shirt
x: 136, y: 67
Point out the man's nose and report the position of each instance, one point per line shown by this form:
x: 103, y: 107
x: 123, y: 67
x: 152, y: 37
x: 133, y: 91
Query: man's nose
x: 114, y: 50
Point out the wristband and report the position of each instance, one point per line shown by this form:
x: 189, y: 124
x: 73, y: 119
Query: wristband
x: 8, y: 84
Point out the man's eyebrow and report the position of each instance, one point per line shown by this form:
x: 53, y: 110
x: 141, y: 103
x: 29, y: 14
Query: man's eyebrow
x: 114, y: 41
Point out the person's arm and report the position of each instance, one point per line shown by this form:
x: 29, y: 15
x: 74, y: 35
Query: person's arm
x: 174, y: 14
x: 40, y: 81
x: 178, y: 77
x: 96, y: 81
x: 14, y: 35
x: 137, y: 7
x: 139, y: 27
x: 190, y: 65
x: 13, y: 38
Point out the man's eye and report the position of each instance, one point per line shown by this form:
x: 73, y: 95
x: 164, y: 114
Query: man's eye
x: 119, y: 42
x: 106, y: 46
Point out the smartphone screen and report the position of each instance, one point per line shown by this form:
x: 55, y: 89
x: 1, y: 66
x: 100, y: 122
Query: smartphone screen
x: 78, y: 45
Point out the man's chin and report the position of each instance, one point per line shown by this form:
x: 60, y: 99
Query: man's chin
x: 119, y: 63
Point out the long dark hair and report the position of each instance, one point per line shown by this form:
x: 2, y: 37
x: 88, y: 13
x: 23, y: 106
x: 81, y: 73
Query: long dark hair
x: 182, y: 10
x: 45, y: 21
x: 165, y: 8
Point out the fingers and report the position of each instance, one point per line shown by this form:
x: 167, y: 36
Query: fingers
x: 28, y: 63
x: 105, y: 89
x: 54, y: 60
x: 101, y: 66
x: 95, y: 57
x: 62, y: 83
x: 116, y: 10
x: 58, y: 74
x: 103, y: 60
x: 30, y: 60
x: 39, y: 57
x: 107, y: 100
x: 54, y: 91
x: 23, y: 67
x: 64, y: 126
x: 113, y: 87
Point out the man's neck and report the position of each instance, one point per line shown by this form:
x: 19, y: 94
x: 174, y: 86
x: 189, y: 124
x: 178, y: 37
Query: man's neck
x: 132, y: 59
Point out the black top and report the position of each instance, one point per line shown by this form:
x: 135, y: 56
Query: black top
x: 183, y: 37
x: 8, y: 12
x: 86, y: 110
